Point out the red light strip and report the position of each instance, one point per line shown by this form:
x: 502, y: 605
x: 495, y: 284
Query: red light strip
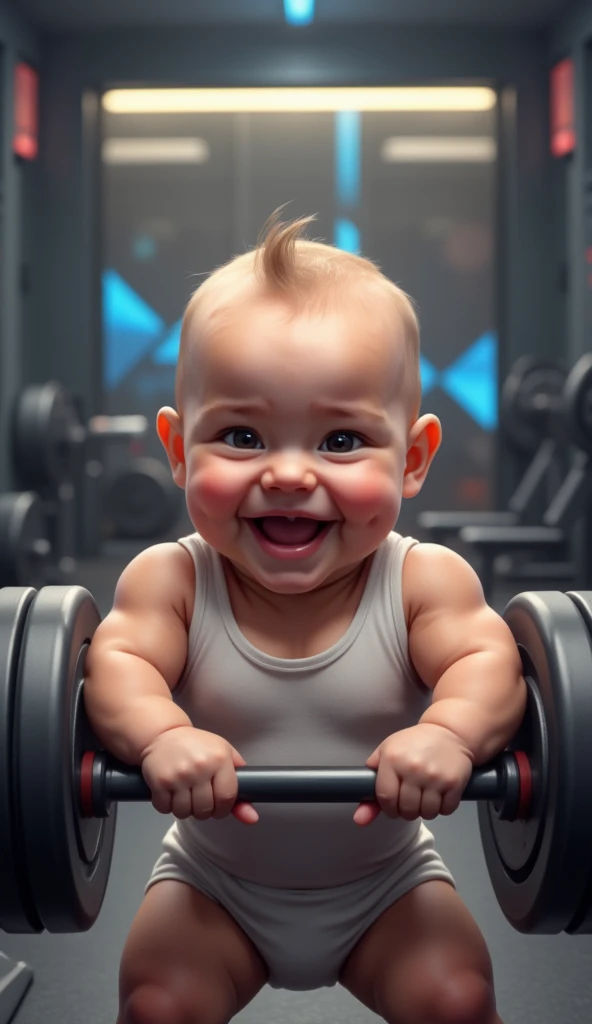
x: 26, y: 116
x: 563, y: 134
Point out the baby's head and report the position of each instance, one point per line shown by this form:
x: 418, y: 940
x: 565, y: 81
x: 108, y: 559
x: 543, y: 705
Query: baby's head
x: 298, y: 394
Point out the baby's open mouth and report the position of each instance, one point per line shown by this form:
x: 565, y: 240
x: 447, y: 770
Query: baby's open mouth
x: 284, y: 530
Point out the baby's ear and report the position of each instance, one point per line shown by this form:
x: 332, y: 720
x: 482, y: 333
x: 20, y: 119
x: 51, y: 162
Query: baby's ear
x: 170, y: 432
x: 423, y: 443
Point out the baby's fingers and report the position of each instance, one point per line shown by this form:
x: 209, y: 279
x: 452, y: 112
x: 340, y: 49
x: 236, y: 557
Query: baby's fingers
x: 366, y: 813
x: 245, y: 812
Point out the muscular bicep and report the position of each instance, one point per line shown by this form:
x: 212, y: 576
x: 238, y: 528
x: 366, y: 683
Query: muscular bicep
x: 149, y: 618
x: 449, y: 618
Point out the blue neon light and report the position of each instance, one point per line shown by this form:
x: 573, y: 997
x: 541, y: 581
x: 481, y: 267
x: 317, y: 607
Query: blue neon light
x: 299, y: 12
x: 348, y: 156
x: 429, y: 375
x: 130, y: 328
x: 472, y: 381
x: 346, y: 235
x: 167, y: 354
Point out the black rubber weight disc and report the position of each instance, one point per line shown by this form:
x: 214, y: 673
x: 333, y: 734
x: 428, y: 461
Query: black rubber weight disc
x: 529, y: 380
x: 582, y: 922
x: 142, y: 501
x: 541, y: 893
x: 577, y: 402
x: 24, y: 540
x: 46, y: 424
x: 68, y: 858
x: 17, y: 911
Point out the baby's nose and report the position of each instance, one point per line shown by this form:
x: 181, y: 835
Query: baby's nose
x: 290, y: 471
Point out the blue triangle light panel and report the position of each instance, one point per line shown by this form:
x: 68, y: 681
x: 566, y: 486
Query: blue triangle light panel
x: 131, y: 328
x: 472, y: 381
x: 167, y: 354
x: 429, y: 375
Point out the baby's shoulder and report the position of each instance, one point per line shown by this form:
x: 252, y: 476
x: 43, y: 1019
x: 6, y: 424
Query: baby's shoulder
x: 435, y: 575
x: 162, y: 574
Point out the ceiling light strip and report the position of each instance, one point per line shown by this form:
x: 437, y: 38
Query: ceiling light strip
x: 298, y: 100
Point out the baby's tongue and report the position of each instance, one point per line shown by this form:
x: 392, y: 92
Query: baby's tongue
x: 281, y: 531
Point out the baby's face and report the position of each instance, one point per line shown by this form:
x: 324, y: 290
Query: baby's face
x: 297, y: 418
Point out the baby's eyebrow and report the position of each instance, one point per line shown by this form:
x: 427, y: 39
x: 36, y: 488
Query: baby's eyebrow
x: 349, y: 411
x: 241, y: 407
x: 353, y: 410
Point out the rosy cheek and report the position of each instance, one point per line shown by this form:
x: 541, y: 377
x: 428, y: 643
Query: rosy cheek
x: 216, y: 487
x: 367, y: 491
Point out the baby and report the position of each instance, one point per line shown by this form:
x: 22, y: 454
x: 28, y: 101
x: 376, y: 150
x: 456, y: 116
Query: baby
x: 294, y: 627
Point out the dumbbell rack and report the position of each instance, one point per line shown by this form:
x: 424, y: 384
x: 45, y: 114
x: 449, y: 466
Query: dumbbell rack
x: 52, y: 452
x: 15, y: 979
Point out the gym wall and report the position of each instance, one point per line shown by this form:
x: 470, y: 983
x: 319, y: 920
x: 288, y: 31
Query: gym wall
x: 572, y: 183
x: 431, y: 227
x: 573, y: 39
x: 67, y: 290
x: 17, y: 42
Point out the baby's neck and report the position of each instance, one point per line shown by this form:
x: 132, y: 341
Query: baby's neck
x: 308, y: 605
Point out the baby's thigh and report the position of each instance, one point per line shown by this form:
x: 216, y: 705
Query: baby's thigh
x: 186, y: 961
x: 424, y: 958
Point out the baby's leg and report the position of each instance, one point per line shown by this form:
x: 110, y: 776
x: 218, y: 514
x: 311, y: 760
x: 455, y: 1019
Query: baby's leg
x: 186, y: 961
x: 424, y: 961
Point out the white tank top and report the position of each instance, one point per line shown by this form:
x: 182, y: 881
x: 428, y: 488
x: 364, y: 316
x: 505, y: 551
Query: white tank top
x: 331, y: 709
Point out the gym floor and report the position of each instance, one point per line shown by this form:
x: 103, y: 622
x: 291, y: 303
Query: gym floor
x: 539, y: 979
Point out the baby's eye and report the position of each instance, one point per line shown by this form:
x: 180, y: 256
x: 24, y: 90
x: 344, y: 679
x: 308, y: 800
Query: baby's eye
x: 342, y: 441
x: 243, y: 438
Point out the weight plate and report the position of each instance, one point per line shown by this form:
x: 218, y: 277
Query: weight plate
x: 582, y: 922
x: 24, y: 540
x: 531, y: 387
x: 518, y: 842
x: 17, y: 909
x: 577, y: 403
x: 142, y: 501
x: 539, y: 886
x: 67, y: 857
x: 46, y: 433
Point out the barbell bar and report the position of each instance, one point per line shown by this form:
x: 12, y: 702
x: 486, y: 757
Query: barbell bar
x: 104, y: 780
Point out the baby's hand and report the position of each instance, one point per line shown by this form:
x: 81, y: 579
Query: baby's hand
x: 192, y: 773
x: 421, y: 772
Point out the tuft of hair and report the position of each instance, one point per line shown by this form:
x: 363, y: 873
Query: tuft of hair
x: 276, y: 255
x: 305, y: 273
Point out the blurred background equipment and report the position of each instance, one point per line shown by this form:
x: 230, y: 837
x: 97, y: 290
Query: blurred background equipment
x: 15, y: 979
x: 551, y: 538
x: 141, y: 501
x: 529, y: 414
x: 53, y: 450
x: 25, y: 547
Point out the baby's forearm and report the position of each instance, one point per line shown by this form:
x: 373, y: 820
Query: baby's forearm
x: 128, y: 704
x: 481, y: 699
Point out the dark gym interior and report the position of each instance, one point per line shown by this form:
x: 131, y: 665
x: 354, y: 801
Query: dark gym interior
x: 478, y: 203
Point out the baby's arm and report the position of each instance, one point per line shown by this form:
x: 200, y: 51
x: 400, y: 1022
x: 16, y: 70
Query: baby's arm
x: 138, y: 653
x: 463, y: 651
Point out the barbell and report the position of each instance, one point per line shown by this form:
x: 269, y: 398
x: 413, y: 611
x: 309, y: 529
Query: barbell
x: 59, y: 791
